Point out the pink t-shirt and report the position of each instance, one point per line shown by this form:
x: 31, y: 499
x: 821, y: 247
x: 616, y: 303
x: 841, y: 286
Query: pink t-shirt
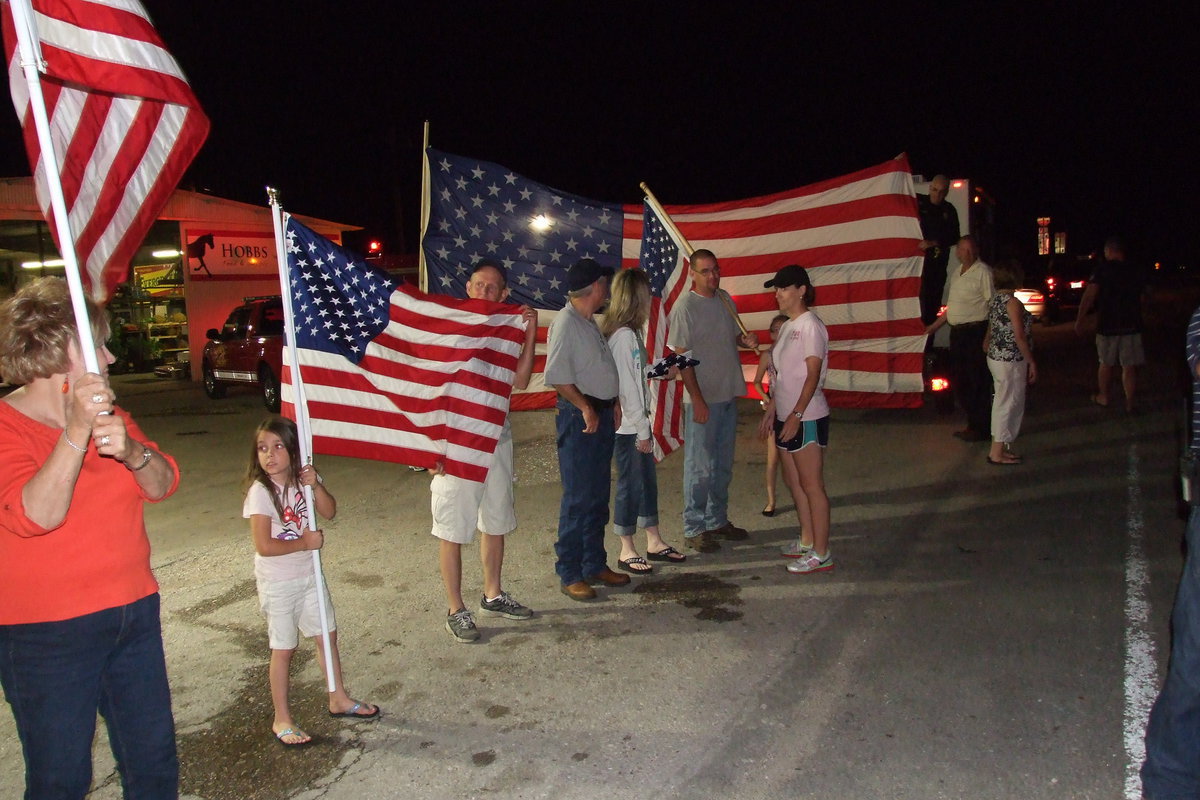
x: 798, y: 339
x: 288, y: 566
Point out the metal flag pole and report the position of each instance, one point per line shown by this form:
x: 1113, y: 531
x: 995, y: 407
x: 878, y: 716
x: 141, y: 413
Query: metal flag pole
x: 303, y: 427
x: 687, y: 248
x: 422, y: 272
x: 32, y: 63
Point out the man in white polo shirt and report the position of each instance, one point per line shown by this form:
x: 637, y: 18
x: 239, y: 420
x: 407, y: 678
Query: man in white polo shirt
x: 966, y: 313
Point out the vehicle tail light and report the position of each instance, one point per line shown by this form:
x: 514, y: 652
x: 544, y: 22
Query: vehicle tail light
x: 1077, y: 284
x: 939, y: 384
x: 1050, y: 283
x: 1036, y: 297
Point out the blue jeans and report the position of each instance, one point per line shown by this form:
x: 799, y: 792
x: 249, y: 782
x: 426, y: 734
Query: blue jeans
x: 584, y: 461
x: 708, y: 467
x: 56, y: 675
x: 1172, y: 768
x: 636, y: 502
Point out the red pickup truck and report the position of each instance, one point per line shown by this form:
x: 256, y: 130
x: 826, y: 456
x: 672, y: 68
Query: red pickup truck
x: 248, y: 349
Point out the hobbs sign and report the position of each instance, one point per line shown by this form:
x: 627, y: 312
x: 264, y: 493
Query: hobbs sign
x: 224, y: 254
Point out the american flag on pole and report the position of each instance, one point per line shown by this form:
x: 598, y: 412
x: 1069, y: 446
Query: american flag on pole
x: 390, y: 373
x: 666, y: 266
x: 857, y: 234
x: 124, y: 122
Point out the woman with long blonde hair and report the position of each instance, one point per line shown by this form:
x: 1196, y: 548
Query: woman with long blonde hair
x: 636, y: 503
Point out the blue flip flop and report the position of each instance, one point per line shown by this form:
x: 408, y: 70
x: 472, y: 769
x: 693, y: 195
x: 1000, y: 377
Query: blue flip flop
x: 353, y: 712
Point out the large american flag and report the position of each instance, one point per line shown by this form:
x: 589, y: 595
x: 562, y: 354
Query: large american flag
x: 857, y: 234
x: 124, y: 122
x: 390, y: 373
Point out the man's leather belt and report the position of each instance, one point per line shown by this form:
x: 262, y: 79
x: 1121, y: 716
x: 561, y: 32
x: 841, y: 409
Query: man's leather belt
x: 599, y: 404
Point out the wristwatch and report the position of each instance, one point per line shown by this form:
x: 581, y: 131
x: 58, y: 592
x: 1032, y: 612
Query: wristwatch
x: 798, y: 415
x: 147, y: 453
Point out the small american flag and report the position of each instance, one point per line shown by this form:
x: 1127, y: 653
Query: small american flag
x: 664, y: 263
x: 124, y: 122
x: 390, y: 373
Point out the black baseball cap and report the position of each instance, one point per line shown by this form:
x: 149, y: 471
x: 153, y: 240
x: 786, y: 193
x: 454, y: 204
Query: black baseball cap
x: 791, y: 275
x: 584, y: 272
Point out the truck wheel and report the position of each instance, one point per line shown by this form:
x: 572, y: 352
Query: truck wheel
x: 212, y: 387
x: 944, y: 402
x: 1050, y: 314
x: 270, y: 389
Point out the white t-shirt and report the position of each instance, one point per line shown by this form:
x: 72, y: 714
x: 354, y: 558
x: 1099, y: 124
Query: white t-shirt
x: 288, y: 566
x: 799, y: 339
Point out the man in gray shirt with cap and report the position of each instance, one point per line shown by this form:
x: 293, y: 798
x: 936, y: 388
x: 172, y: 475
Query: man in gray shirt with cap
x: 580, y: 367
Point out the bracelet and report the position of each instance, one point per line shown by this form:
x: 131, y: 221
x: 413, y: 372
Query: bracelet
x: 74, y: 446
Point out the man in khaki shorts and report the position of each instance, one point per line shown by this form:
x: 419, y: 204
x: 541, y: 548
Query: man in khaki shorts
x: 1116, y: 289
x: 460, y: 506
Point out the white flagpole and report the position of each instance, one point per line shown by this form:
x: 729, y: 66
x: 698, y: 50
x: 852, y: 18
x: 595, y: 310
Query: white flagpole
x: 304, y: 429
x: 686, y: 245
x: 423, y: 273
x: 32, y: 63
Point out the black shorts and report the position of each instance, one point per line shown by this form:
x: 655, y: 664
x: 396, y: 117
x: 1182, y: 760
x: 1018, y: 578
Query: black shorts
x: 811, y: 432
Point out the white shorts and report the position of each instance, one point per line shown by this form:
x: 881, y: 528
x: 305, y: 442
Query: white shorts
x: 460, y: 506
x: 290, y: 606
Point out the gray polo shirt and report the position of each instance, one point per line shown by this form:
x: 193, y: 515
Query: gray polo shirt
x: 577, y: 353
x: 705, y: 326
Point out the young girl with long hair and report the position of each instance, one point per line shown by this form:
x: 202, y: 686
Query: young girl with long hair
x: 283, y: 569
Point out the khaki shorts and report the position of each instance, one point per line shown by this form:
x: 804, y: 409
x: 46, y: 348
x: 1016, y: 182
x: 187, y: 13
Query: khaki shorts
x: 1124, y: 350
x: 290, y: 606
x: 460, y: 506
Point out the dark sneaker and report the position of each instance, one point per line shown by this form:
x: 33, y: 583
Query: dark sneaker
x: 703, y: 542
x: 462, y: 626
x: 504, y: 606
x: 730, y: 532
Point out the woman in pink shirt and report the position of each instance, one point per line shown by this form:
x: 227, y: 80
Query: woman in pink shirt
x: 798, y: 414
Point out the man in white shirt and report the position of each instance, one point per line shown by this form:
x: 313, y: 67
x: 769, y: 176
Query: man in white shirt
x: 966, y: 313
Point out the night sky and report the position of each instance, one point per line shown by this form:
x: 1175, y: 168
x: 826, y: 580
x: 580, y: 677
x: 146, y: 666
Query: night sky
x: 1091, y: 120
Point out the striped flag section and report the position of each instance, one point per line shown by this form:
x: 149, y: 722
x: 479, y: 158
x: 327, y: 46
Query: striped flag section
x: 124, y: 122
x: 857, y: 235
x: 390, y: 373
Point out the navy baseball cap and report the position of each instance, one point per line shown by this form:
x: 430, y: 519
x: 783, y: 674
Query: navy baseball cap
x: 584, y: 272
x: 791, y: 275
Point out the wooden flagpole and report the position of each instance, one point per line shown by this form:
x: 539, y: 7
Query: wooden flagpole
x: 303, y: 426
x: 422, y: 272
x: 687, y: 248
x: 32, y: 63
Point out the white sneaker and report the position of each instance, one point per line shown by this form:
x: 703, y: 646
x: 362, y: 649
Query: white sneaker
x: 795, y: 549
x: 811, y: 563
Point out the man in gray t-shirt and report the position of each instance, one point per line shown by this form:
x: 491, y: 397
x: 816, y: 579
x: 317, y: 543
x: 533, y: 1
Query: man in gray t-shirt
x: 702, y: 325
x: 580, y: 367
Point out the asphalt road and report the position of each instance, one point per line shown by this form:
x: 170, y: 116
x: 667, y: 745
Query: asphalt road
x: 988, y: 632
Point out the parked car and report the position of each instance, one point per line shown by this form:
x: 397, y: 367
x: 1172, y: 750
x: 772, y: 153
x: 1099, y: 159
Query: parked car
x: 248, y: 349
x: 1066, y: 279
x: 1034, y: 301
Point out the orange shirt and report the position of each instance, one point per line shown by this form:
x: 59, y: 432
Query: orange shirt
x: 98, y: 558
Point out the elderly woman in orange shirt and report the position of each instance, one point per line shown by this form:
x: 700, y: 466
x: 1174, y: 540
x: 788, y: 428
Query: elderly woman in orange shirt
x: 79, y: 606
